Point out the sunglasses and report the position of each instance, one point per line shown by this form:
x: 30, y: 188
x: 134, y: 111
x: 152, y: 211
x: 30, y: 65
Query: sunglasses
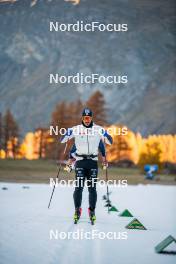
x: 87, y: 118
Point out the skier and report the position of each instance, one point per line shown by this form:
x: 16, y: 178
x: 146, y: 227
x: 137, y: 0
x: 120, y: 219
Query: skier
x: 88, y: 138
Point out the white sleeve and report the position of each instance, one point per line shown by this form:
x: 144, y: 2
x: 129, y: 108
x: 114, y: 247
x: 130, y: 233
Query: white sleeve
x: 69, y: 135
x: 106, y: 138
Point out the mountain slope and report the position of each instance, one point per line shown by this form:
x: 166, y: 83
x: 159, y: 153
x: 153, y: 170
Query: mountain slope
x: 29, y: 53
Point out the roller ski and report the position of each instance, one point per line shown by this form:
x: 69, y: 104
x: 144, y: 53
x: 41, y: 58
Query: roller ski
x: 92, y: 216
x: 77, y: 215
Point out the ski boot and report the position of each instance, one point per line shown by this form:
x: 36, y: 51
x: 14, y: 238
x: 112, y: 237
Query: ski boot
x: 92, y: 216
x: 77, y: 215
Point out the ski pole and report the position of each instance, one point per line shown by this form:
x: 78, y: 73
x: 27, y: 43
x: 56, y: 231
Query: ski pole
x: 60, y: 166
x: 107, y: 187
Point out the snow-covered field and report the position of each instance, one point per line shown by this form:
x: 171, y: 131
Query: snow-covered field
x: 25, y: 225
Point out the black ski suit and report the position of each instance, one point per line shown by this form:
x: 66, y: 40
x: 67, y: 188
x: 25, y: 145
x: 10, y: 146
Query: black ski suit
x: 86, y: 169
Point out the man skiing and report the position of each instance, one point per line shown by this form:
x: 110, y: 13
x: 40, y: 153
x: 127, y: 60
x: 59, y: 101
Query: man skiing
x: 88, y: 139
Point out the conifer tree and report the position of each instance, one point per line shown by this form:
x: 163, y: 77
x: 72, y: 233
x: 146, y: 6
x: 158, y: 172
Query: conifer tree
x: 10, y: 134
x: 98, y: 105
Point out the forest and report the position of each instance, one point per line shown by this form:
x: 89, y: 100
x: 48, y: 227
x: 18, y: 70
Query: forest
x: 129, y: 149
